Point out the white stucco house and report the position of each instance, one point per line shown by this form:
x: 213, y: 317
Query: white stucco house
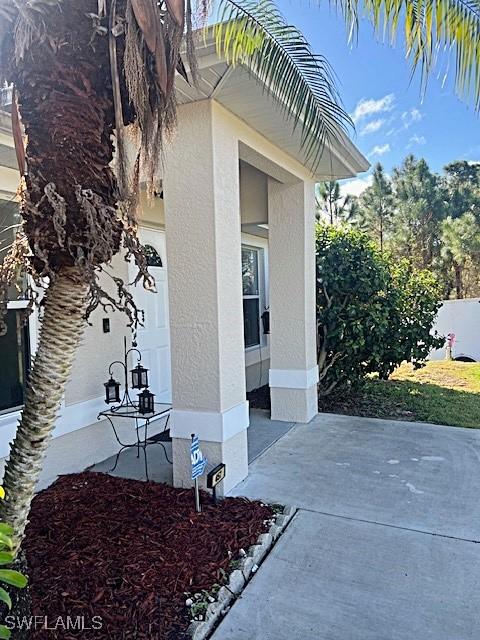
x: 233, y: 226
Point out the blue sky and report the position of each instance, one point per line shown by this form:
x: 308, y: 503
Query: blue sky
x: 374, y: 81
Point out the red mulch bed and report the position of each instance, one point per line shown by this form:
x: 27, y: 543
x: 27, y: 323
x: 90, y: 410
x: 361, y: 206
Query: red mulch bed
x: 127, y: 551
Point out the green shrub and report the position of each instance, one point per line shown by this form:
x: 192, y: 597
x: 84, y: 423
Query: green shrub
x: 8, y: 576
x: 372, y: 314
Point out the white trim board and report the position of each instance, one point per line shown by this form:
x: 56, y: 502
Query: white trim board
x: 211, y: 426
x: 293, y: 378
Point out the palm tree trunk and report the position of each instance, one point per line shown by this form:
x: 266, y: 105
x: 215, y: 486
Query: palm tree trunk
x: 60, y: 334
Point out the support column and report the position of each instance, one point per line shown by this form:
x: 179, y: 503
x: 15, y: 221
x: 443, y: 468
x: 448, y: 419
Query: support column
x: 202, y: 213
x: 294, y: 370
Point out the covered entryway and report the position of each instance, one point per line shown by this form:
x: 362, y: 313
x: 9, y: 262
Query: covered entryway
x: 229, y: 119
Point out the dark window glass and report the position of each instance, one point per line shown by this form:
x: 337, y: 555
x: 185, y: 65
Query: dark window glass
x: 251, y: 321
x: 152, y: 255
x: 15, y: 360
x: 14, y: 345
x: 251, y: 297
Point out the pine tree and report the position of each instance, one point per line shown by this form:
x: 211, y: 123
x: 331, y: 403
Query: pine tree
x: 376, y: 207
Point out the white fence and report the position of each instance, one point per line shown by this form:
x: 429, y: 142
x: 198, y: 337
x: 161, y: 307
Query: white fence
x: 462, y: 318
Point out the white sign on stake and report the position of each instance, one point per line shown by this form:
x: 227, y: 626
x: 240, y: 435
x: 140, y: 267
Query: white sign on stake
x: 199, y: 463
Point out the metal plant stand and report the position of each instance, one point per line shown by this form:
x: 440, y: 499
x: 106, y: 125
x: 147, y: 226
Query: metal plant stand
x: 131, y: 410
x: 142, y: 421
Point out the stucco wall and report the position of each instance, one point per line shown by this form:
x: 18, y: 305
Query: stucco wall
x: 152, y: 212
x: 461, y: 317
x: 9, y: 180
x: 98, y: 349
x: 253, y: 200
x: 204, y: 267
x: 256, y: 375
x: 85, y: 387
x: 292, y: 275
x: 289, y: 168
x: 253, y: 195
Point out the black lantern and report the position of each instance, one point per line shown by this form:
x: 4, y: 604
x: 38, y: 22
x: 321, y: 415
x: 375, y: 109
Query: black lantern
x: 146, y: 402
x: 112, y: 391
x: 139, y: 377
x: 266, y: 321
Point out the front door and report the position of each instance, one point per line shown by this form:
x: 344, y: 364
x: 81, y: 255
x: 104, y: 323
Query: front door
x: 153, y: 339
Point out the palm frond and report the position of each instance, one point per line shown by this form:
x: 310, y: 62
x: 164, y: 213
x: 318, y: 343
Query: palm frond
x: 434, y: 30
x: 279, y: 57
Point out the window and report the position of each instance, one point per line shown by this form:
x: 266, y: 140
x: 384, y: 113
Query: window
x: 15, y: 357
x: 152, y: 255
x: 15, y: 344
x: 251, y: 296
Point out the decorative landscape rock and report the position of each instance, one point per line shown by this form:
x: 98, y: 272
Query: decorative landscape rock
x: 275, y: 531
x: 238, y: 579
x: 224, y: 595
x: 236, y: 582
x: 246, y: 566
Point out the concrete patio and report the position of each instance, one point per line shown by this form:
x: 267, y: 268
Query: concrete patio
x: 385, y: 543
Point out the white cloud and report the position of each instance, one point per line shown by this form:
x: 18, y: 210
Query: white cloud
x: 416, y: 139
x: 380, y: 150
x: 369, y: 107
x: 372, y: 126
x: 473, y: 152
x: 355, y: 187
x: 410, y: 117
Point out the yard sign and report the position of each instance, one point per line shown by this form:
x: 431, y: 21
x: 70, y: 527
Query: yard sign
x: 198, y: 461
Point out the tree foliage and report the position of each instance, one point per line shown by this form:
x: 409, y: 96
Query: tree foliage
x: 330, y: 205
x: 461, y: 247
x: 373, y: 313
x: 419, y: 208
x: 431, y: 219
x: 439, y: 34
x: 375, y: 207
x: 277, y: 54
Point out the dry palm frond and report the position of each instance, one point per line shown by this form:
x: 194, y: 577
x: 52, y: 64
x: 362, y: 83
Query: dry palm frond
x: 18, y: 137
x: 78, y: 212
x: 14, y: 265
x: 154, y: 35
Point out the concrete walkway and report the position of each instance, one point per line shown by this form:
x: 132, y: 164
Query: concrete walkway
x: 385, y: 544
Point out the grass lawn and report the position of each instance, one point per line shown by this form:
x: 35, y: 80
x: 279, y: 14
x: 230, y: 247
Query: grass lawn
x: 441, y: 392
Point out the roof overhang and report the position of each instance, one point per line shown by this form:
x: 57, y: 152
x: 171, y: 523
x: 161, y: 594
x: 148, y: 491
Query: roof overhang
x: 238, y: 90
